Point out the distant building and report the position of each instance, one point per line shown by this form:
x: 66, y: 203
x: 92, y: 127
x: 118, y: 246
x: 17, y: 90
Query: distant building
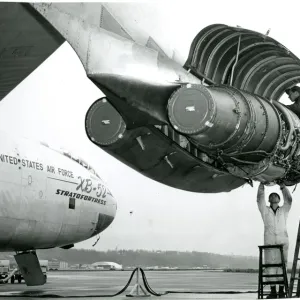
x: 106, y: 265
x: 44, y: 265
x: 85, y: 266
x: 53, y: 264
x: 63, y: 265
x: 4, y: 267
x: 75, y: 267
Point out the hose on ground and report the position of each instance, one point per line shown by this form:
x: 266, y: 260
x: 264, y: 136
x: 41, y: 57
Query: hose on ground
x: 39, y: 295
x: 151, y: 291
x: 146, y: 284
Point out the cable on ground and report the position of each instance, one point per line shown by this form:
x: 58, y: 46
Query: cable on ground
x: 146, y: 284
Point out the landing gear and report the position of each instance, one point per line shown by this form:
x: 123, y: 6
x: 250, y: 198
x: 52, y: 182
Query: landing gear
x: 29, y: 269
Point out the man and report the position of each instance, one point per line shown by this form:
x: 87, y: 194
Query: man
x: 294, y: 95
x: 274, y: 218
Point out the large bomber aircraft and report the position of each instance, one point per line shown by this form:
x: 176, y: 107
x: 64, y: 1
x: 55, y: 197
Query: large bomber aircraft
x: 48, y: 198
x: 208, y: 125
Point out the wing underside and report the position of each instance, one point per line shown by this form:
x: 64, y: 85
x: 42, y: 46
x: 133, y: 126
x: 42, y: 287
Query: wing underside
x: 26, y: 40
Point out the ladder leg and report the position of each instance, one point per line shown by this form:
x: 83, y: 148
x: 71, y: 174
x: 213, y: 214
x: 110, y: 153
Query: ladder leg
x: 286, y: 287
x: 260, y: 286
x: 294, y: 268
x: 298, y: 286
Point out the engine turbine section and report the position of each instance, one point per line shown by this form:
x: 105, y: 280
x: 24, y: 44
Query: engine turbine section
x: 250, y: 136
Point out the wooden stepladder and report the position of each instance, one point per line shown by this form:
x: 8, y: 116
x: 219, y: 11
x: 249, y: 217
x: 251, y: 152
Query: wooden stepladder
x: 263, y: 266
x: 295, y: 276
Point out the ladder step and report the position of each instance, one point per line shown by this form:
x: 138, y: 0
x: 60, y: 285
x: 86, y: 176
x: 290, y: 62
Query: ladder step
x: 295, y: 278
x: 266, y: 294
x: 274, y: 275
x: 272, y: 265
x: 270, y: 246
x: 294, y: 293
x: 273, y: 282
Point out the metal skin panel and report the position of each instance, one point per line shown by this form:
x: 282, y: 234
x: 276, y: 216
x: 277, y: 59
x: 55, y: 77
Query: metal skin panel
x: 259, y: 57
x: 92, y: 44
x: 24, y: 44
x: 223, y: 60
x: 149, y: 99
x: 34, y: 210
x: 260, y: 52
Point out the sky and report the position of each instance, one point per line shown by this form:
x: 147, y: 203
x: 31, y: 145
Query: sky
x: 50, y: 105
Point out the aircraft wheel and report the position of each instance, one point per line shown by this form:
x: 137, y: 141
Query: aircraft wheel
x: 12, y: 279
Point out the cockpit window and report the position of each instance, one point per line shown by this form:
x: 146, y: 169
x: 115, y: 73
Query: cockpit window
x: 82, y: 162
x: 77, y: 159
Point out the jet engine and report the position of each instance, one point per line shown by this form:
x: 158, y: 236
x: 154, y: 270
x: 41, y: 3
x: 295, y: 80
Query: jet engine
x: 252, y: 136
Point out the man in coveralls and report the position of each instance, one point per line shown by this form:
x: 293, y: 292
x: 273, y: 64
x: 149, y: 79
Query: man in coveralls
x: 274, y: 218
x: 294, y: 95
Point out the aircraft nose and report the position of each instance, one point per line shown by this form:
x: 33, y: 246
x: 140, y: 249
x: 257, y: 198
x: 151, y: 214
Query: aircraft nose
x: 114, y: 206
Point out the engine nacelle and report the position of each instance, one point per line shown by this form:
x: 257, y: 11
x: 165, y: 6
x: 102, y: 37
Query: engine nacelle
x: 250, y: 136
x: 104, y: 125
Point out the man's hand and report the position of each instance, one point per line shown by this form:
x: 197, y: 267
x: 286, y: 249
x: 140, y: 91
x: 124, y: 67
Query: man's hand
x: 287, y: 198
x: 261, y: 191
x: 261, y: 198
x: 282, y: 186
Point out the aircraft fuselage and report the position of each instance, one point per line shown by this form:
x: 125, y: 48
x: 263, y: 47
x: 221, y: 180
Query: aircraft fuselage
x: 47, y: 199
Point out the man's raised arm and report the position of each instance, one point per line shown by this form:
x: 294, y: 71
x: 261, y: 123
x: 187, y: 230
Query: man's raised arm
x: 261, y: 203
x: 287, y: 197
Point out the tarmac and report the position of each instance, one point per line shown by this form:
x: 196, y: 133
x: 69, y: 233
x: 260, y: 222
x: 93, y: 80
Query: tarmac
x: 103, y: 284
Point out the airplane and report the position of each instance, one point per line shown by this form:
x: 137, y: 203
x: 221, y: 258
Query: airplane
x: 209, y: 125
x: 48, y: 198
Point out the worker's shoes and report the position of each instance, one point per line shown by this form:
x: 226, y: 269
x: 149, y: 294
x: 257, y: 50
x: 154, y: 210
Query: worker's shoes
x: 273, y: 294
x: 281, y: 293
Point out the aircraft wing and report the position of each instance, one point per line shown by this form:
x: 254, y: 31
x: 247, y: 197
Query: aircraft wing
x: 26, y: 40
x: 123, y: 19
